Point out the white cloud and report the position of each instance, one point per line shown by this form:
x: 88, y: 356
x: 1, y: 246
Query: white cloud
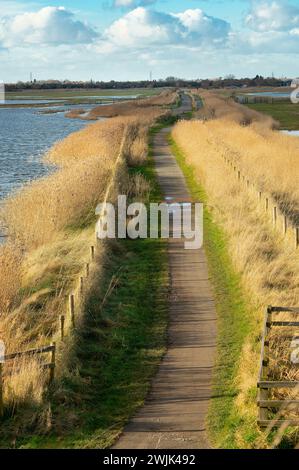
x: 268, y: 42
x: 275, y: 27
x: 144, y: 28
x: 273, y: 16
x: 141, y: 27
x: 202, y: 26
x: 189, y: 43
x: 50, y: 26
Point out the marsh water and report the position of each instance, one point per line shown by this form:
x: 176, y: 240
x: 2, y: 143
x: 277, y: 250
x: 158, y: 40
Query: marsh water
x: 292, y: 133
x: 271, y: 94
x: 26, y: 135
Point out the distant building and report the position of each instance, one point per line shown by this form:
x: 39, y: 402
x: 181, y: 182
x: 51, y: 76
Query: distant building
x: 295, y: 83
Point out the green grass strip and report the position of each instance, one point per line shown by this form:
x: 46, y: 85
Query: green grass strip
x: 234, y: 322
x: 284, y: 112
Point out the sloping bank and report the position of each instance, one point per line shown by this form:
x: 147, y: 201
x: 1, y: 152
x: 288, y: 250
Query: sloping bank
x: 104, y: 364
x: 250, y: 265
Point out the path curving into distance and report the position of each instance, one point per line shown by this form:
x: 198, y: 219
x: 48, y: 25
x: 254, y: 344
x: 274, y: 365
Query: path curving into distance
x: 174, y: 413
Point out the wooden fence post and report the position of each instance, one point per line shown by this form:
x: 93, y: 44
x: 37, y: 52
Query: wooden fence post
x: 1, y: 390
x: 266, y: 203
x: 52, y: 367
x: 92, y: 252
x: 296, y: 237
x: 72, y: 308
x: 239, y: 175
x: 274, y: 215
x: 81, y: 285
x: 263, y: 392
x: 62, y: 321
x: 285, y: 224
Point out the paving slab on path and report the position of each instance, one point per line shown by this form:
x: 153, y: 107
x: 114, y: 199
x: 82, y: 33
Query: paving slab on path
x: 174, y: 413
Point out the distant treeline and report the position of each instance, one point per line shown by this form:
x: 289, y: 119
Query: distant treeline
x: 231, y: 82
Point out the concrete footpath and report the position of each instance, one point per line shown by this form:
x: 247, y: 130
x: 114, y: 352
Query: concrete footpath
x: 173, y: 416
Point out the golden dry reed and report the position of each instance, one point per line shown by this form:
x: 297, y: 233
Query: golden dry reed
x: 216, y: 106
x: 267, y: 158
x: 147, y: 107
x: 268, y: 265
x: 50, y: 223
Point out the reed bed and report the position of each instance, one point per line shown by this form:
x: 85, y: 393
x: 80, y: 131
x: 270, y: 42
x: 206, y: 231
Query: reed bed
x: 98, y: 140
x: 75, y: 113
x: 217, y: 107
x: 69, y: 196
x: 39, y: 211
x: 10, y: 257
x: 145, y: 108
x: 268, y: 266
x: 51, y: 228
x: 270, y: 159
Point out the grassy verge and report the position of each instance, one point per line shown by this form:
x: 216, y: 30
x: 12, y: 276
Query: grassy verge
x: 234, y: 325
x: 117, y: 350
x: 286, y: 113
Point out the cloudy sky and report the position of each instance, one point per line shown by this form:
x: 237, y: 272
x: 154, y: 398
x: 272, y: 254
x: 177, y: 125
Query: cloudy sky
x: 126, y: 39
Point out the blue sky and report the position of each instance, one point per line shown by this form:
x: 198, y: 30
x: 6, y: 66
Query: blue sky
x: 126, y: 39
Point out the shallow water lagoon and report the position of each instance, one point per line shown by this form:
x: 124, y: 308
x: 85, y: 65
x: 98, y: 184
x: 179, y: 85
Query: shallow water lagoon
x: 25, y: 136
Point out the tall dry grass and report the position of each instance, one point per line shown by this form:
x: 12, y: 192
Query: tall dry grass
x: 36, y: 213
x: 268, y: 158
x: 218, y: 107
x: 99, y: 140
x: 51, y: 228
x: 21, y: 391
x: 145, y: 108
x: 10, y: 258
x: 268, y: 266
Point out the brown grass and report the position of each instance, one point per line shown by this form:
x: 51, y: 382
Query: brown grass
x: 10, y: 257
x: 147, y: 107
x: 217, y: 107
x: 75, y: 113
x: 269, y: 159
x: 38, y: 212
x: 19, y: 390
x: 35, y: 214
x: 98, y: 140
x: 269, y: 266
x: 51, y: 227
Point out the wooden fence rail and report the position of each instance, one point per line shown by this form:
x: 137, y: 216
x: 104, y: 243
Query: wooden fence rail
x: 264, y: 384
